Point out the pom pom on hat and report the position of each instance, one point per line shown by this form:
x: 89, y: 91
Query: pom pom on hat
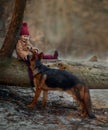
x: 24, y: 29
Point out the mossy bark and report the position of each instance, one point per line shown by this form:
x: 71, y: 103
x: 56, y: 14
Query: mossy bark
x: 13, y: 72
x: 93, y: 74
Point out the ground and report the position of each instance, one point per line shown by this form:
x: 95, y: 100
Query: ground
x: 60, y: 113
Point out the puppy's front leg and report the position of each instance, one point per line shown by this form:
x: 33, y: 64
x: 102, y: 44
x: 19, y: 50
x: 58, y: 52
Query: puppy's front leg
x: 38, y: 91
x: 45, y: 96
x: 37, y: 94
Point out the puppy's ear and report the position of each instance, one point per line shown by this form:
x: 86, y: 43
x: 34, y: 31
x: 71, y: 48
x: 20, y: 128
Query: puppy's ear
x: 34, y: 55
x: 40, y: 55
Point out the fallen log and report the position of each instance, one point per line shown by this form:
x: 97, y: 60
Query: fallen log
x: 13, y: 72
x: 93, y: 74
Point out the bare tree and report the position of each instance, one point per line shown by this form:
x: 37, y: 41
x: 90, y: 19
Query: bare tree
x: 13, y: 30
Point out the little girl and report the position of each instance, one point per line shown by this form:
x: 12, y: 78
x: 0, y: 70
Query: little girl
x: 24, y: 47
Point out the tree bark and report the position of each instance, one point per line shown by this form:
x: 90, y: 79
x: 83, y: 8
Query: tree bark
x: 93, y: 74
x: 13, y: 72
x: 13, y: 30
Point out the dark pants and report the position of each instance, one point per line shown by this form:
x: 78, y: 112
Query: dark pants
x: 30, y: 74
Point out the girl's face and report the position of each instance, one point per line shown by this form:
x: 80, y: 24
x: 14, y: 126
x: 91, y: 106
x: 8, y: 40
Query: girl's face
x: 25, y: 37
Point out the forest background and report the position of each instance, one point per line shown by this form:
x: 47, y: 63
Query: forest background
x: 78, y: 29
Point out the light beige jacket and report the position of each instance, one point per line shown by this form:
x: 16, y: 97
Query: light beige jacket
x: 23, y: 49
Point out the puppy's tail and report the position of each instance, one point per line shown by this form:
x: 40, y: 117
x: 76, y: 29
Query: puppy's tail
x: 83, y: 95
x: 87, y: 102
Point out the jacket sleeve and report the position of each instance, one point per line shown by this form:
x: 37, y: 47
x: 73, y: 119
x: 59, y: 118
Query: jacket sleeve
x: 31, y: 47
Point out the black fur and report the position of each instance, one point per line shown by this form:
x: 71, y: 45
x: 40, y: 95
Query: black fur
x: 57, y: 78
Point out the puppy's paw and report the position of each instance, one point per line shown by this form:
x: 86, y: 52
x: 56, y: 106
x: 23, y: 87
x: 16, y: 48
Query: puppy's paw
x: 31, y: 106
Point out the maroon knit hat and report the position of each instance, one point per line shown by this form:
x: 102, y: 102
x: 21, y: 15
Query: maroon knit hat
x: 24, y: 29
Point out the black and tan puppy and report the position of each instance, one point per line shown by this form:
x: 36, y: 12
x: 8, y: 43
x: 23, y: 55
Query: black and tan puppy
x: 46, y: 79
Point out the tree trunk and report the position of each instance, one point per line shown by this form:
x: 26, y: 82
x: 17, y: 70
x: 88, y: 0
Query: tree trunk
x: 13, y: 30
x: 93, y: 74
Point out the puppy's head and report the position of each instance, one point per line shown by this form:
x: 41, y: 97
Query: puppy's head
x: 35, y: 56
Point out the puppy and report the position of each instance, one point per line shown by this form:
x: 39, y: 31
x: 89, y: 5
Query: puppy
x: 46, y: 79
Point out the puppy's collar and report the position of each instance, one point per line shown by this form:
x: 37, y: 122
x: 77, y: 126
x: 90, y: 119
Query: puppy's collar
x: 34, y: 75
x: 36, y: 72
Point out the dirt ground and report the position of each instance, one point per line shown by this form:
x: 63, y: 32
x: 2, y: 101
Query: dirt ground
x: 60, y: 113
